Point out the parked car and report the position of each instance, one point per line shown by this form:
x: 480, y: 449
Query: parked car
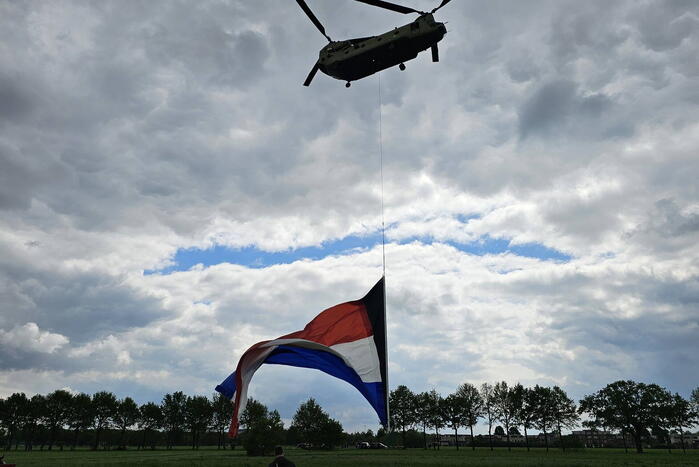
x: 378, y: 446
x: 363, y: 445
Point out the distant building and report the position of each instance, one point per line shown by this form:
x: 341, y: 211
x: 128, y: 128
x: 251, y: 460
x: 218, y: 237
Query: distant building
x: 691, y: 440
x: 465, y: 439
x: 601, y: 439
x: 449, y: 440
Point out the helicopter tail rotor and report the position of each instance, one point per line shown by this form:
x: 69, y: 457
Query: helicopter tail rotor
x: 310, y: 76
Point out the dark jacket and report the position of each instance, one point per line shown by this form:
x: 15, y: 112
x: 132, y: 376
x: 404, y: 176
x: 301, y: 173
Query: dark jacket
x: 281, y: 461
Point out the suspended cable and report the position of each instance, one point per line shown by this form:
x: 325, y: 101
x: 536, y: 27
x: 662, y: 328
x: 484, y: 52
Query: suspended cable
x: 383, y: 257
x: 383, y: 226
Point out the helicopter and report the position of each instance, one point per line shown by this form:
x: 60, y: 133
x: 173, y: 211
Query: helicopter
x: 354, y: 59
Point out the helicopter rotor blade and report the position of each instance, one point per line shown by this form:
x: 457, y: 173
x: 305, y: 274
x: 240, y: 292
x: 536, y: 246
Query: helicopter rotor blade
x: 391, y: 6
x: 435, y: 53
x: 312, y: 17
x: 444, y: 2
x: 310, y: 76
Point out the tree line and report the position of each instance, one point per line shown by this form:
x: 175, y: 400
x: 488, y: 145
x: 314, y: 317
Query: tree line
x: 636, y: 410
x: 311, y: 427
x: 104, y: 421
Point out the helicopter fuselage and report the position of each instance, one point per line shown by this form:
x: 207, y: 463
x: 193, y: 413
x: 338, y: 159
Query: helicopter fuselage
x: 353, y: 59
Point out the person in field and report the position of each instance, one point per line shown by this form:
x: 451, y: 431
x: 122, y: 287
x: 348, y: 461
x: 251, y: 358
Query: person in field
x: 280, y: 460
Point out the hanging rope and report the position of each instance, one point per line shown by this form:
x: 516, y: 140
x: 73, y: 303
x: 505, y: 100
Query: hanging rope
x: 383, y: 226
x: 383, y: 259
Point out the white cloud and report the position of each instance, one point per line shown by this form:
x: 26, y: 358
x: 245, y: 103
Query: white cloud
x: 30, y: 337
x: 129, y: 132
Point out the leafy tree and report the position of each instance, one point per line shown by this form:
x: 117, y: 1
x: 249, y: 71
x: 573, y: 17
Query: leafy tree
x: 489, y: 409
x: 263, y: 429
x: 694, y: 399
x: 454, y: 414
x: 403, y: 413
x: 422, y: 413
x: 222, y: 410
x: 80, y: 415
x: 471, y: 404
x: 315, y: 426
x: 13, y: 410
x: 3, y: 429
x: 174, y: 408
x: 564, y: 411
x: 680, y: 414
x: 544, y: 419
x: 126, y: 415
x: 104, y: 406
x: 58, y: 405
x: 499, y: 431
x: 198, y: 414
x: 508, y: 403
x: 150, y: 418
x: 528, y: 412
x: 32, y: 416
x: 628, y: 406
x: 332, y: 433
x: 435, y: 404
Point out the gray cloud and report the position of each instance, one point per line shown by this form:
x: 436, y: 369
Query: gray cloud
x: 130, y: 130
x: 553, y: 106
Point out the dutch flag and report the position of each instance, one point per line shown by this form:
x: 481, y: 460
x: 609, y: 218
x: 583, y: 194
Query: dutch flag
x: 347, y: 341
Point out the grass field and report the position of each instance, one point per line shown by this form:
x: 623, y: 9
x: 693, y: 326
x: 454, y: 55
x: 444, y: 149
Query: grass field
x: 354, y: 457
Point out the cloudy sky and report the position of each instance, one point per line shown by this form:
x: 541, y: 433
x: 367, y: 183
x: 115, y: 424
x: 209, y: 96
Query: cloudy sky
x: 170, y: 194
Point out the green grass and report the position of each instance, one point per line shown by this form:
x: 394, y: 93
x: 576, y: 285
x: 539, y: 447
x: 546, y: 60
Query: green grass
x: 355, y: 457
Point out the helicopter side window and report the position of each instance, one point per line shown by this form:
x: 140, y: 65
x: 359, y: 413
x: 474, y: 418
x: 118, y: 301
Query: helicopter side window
x: 414, y: 26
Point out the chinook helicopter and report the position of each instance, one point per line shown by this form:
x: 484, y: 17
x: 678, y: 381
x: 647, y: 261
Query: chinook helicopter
x: 354, y: 59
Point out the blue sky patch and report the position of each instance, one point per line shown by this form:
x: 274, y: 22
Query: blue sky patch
x: 253, y: 257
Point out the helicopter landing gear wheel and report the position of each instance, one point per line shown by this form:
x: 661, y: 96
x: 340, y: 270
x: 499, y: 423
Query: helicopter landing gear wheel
x: 402, y: 67
x: 348, y: 84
